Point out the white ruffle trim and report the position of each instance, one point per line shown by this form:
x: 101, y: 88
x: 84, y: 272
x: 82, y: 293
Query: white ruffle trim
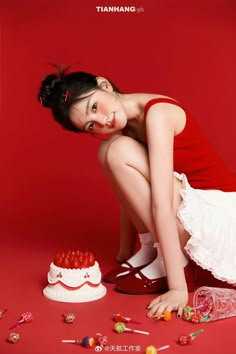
x: 209, y: 216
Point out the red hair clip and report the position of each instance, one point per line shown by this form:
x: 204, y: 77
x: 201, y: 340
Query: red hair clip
x: 41, y: 100
x: 66, y: 95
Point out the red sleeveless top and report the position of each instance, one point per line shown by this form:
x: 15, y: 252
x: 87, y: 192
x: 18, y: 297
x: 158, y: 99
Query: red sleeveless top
x: 196, y: 158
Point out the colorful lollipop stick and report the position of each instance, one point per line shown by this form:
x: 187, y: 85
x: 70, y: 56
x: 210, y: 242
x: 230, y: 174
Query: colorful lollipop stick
x: 73, y: 341
x: 187, y: 339
x: 153, y: 350
x: 25, y: 318
x: 121, y: 328
x: 86, y: 342
x: 166, y: 316
x: 118, y: 317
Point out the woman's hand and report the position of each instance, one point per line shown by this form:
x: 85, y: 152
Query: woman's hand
x: 173, y: 300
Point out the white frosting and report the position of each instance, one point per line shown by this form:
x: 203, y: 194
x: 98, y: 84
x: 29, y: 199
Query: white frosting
x: 74, y: 285
x: 75, y: 277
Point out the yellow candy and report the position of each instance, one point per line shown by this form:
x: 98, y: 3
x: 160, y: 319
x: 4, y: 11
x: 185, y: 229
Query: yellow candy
x: 151, y: 349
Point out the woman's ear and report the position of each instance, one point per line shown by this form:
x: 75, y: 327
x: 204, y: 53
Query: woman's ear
x: 104, y: 84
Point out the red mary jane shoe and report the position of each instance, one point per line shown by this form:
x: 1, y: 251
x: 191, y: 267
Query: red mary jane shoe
x: 130, y: 284
x: 120, y: 272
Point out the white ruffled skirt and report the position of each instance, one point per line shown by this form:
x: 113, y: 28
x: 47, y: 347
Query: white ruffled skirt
x: 209, y: 216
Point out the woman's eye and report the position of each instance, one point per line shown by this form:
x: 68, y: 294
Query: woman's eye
x: 91, y: 126
x: 94, y: 107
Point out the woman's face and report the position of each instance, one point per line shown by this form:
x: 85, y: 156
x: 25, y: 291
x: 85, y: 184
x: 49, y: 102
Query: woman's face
x: 100, y: 112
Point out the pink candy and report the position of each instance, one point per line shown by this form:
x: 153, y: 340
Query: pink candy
x: 25, y: 318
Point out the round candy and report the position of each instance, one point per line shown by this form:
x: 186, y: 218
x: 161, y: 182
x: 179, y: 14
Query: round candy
x: 117, y: 317
x: 26, y: 317
x: 184, y: 339
x: 88, y: 342
x: 151, y: 350
x: 119, y: 327
x: 167, y: 315
x: 13, y: 338
x: 101, y: 340
x: 69, y: 318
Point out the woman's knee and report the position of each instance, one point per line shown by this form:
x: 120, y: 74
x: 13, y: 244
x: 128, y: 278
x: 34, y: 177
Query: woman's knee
x: 116, y: 151
x: 127, y: 151
x: 103, y: 149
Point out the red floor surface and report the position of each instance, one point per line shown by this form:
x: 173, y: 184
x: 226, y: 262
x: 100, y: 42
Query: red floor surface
x: 26, y: 260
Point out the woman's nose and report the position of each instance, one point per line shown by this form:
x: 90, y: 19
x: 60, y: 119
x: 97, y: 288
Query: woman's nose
x: 104, y: 120
x: 107, y: 121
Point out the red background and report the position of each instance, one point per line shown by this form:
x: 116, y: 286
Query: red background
x: 53, y: 194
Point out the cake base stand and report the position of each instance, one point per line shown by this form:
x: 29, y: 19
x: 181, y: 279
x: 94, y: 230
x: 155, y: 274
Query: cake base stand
x: 85, y: 294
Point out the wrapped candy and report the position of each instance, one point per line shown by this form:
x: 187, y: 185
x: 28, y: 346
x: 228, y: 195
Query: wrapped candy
x: 190, y: 314
x: 196, y: 318
x: 166, y: 316
x: 121, y: 328
x: 185, y: 339
x: 25, y: 318
x: 2, y: 312
x: 118, y: 317
x: 69, y: 318
x: 101, y: 340
x: 153, y: 350
x: 13, y: 338
x: 86, y: 342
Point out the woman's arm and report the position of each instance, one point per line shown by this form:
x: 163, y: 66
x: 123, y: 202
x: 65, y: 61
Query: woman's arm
x: 162, y: 122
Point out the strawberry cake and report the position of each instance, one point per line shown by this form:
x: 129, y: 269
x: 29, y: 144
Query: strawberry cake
x: 74, y: 276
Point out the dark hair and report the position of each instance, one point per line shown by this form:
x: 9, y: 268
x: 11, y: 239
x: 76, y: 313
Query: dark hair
x: 60, y: 91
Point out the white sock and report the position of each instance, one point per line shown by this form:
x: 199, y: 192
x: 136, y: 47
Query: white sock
x: 147, y: 252
x: 156, y: 269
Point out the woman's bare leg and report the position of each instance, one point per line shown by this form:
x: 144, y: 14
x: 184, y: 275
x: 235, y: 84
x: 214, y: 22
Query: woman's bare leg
x: 129, y: 224
x: 125, y: 164
x: 128, y: 237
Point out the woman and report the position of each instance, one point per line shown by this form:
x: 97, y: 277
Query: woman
x: 174, y: 190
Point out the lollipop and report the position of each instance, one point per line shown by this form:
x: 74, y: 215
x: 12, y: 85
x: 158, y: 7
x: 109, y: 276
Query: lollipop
x: 118, y: 317
x: 69, y: 318
x: 166, y: 316
x: 13, y: 338
x: 101, y: 340
x: 187, y: 339
x: 25, y: 318
x: 2, y: 312
x: 153, y: 350
x: 86, y: 342
x: 121, y: 328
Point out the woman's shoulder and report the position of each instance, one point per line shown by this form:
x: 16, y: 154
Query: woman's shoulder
x: 175, y: 112
x: 155, y: 99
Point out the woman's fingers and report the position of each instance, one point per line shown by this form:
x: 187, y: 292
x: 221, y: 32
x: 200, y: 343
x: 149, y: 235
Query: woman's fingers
x: 173, y: 300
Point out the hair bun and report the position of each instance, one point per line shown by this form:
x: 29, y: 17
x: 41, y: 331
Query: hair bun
x: 48, y: 90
